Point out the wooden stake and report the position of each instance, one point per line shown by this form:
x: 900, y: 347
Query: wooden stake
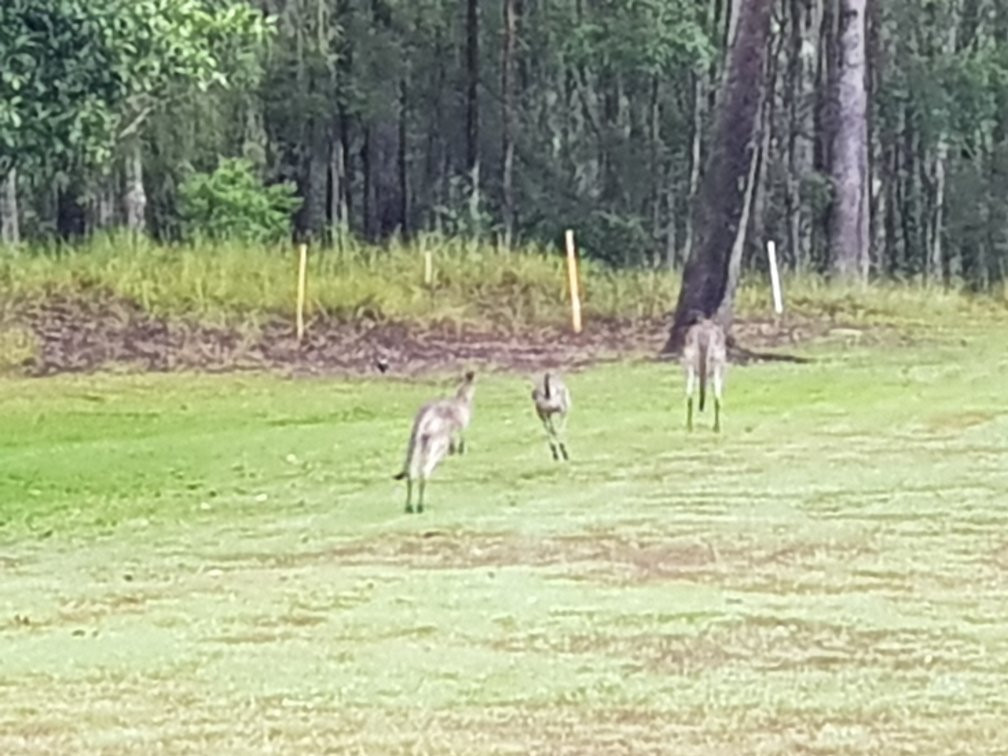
x: 778, y: 303
x: 572, y: 282
x: 302, y: 285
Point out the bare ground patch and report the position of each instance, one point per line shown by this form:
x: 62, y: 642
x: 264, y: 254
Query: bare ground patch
x: 97, y: 330
x: 766, y: 644
x: 603, y: 557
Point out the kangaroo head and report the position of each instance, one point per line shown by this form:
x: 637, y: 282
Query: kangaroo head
x: 468, y: 388
x: 695, y: 316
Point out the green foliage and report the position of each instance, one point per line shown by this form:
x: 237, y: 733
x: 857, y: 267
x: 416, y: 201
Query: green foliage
x: 233, y: 204
x: 646, y: 37
x: 80, y: 74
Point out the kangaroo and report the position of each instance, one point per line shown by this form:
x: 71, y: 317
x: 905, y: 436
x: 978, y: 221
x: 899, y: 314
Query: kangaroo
x: 704, y: 356
x: 552, y: 401
x: 435, y: 428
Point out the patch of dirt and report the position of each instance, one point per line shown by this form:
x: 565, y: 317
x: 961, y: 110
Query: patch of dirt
x: 96, y: 331
x: 767, y: 643
x: 600, y: 557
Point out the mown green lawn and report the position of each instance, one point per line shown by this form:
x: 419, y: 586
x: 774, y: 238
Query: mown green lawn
x: 221, y: 564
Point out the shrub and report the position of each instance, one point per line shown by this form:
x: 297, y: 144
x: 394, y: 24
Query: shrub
x: 232, y: 203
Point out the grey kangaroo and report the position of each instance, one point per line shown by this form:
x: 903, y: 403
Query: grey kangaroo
x: 704, y: 357
x: 435, y: 428
x: 552, y: 401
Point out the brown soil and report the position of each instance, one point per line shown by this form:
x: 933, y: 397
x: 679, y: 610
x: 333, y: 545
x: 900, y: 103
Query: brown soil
x: 98, y: 331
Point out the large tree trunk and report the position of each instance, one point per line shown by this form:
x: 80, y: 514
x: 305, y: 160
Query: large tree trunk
x: 849, y: 230
x: 722, y: 199
x: 10, y: 228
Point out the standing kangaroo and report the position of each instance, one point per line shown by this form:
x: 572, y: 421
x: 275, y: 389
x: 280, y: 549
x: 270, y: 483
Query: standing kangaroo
x: 435, y: 427
x: 704, y: 356
x: 552, y: 402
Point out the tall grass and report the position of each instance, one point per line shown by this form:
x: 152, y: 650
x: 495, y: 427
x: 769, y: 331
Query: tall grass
x: 473, y: 284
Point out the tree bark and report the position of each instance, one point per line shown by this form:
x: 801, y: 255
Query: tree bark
x: 849, y: 229
x: 10, y: 227
x: 722, y: 199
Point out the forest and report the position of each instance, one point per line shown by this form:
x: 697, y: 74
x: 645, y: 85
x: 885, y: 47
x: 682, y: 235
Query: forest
x: 879, y: 146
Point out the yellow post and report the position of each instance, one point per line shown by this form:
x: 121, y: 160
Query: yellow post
x: 302, y: 284
x: 572, y: 282
x: 428, y: 268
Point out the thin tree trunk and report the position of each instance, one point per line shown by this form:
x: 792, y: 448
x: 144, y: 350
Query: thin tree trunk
x: 104, y: 204
x: 71, y: 219
x: 806, y: 22
x: 403, y: 160
x: 849, y: 232
x: 507, y: 126
x: 696, y: 142
x: 314, y: 213
x: 671, y: 231
x: 938, y: 264
x: 10, y: 227
x: 654, y: 137
x: 367, y: 198
x: 472, y: 90
x: 722, y: 204
x: 135, y: 199
x: 337, y: 197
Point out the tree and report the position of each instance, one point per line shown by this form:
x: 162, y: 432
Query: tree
x: 723, y: 192
x: 472, y: 155
x: 849, y: 230
x: 81, y: 76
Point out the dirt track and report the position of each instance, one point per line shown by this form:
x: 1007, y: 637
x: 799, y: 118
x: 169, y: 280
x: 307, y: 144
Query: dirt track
x: 87, y: 333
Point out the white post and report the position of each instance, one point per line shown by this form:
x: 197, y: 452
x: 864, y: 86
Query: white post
x: 572, y: 282
x: 778, y: 303
x: 428, y: 268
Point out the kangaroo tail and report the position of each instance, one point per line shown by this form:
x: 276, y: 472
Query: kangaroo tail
x: 702, y: 368
x: 412, y: 450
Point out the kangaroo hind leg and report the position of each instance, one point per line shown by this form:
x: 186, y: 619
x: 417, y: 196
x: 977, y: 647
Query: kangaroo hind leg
x: 718, y: 381
x: 690, y: 381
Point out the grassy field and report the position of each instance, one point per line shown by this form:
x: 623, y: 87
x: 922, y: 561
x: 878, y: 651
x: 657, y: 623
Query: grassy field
x: 220, y: 564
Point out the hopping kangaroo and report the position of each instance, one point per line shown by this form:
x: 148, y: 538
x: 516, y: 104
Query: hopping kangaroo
x: 435, y: 427
x: 704, y: 356
x: 552, y: 403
